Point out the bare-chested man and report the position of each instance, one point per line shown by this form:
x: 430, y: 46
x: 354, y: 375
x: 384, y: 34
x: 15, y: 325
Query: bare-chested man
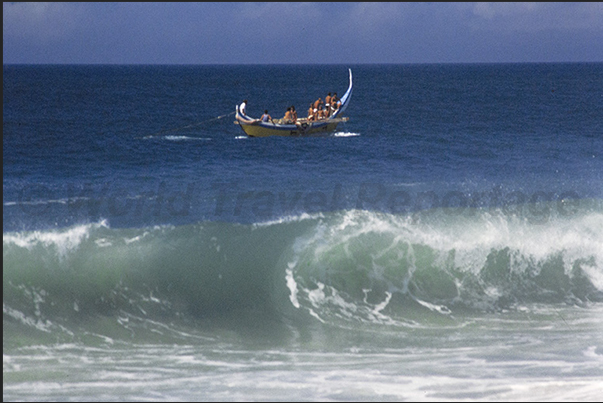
x: 311, y: 114
x: 288, y: 119
x: 317, y: 103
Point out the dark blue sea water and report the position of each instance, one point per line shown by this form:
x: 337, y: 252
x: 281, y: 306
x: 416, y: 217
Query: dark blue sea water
x: 444, y: 243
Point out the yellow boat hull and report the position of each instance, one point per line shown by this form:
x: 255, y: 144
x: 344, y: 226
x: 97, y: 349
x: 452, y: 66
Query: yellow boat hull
x: 257, y: 129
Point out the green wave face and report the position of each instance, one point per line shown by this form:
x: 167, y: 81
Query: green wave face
x: 351, y: 266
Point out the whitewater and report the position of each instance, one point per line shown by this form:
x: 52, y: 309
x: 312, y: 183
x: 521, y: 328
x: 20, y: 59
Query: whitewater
x: 421, y: 288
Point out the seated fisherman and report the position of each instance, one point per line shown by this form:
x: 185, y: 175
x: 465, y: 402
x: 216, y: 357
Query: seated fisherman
x: 266, y: 117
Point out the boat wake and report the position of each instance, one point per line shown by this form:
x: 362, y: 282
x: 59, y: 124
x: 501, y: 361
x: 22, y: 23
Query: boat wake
x: 186, y: 138
x: 345, y: 134
x: 177, y: 138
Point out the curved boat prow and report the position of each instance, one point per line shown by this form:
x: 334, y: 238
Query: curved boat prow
x: 345, y: 99
x: 242, y: 118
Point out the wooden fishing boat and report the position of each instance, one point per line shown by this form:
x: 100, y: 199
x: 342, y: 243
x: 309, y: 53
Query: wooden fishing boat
x: 257, y: 128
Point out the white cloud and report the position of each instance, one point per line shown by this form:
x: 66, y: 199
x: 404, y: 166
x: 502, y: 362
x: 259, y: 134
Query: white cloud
x: 491, y: 10
x: 46, y: 21
x: 372, y: 18
x: 531, y: 17
x: 292, y: 13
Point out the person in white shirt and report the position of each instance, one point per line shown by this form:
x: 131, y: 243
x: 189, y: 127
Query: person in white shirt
x: 243, y: 108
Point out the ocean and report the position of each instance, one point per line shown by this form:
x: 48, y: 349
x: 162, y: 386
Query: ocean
x: 446, y: 243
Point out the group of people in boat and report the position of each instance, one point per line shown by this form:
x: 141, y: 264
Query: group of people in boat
x: 318, y: 110
x: 289, y: 118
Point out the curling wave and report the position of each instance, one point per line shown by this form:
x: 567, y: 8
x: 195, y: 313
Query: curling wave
x: 352, y: 265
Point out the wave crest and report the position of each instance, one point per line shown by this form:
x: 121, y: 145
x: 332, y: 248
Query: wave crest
x: 485, y: 262
x: 350, y: 266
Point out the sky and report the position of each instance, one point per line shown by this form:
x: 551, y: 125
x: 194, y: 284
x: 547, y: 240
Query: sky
x: 301, y: 33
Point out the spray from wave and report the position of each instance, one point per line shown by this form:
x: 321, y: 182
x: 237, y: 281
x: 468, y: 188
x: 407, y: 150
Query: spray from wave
x: 379, y: 267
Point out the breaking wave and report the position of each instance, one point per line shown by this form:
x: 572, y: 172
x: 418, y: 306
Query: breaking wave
x: 340, y: 267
